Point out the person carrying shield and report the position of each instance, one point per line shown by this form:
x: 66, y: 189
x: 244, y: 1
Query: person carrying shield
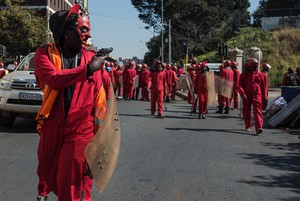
x: 73, y: 107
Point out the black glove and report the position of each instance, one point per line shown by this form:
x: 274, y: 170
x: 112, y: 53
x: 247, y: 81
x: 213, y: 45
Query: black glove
x: 97, y: 63
x: 106, y: 51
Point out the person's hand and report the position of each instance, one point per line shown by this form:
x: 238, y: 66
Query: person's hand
x: 97, y: 62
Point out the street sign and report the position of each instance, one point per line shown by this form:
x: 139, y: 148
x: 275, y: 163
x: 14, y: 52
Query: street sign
x: 2, y: 51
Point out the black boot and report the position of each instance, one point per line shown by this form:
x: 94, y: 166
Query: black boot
x: 41, y: 198
x: 226, y: 110
x: 220, y: 110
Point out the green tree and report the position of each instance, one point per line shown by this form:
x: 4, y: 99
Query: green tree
x: 21, y: 30
x: 202, y: 24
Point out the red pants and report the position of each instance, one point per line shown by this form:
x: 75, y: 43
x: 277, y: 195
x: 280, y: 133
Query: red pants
x: 157, y: 97
x: 223, y: 101
x: 257, y: 111
x: 119, y: 89
x: 69, y: 186
x: 202, y: 98
x: 128, y: 91
x: 235, y: 98
x: 145, y: 94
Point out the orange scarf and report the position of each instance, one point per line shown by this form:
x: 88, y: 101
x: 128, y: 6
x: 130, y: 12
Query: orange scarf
x: 49, y: 93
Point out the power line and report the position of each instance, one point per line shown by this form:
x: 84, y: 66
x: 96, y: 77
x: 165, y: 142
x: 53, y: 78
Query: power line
x: 107, y: 16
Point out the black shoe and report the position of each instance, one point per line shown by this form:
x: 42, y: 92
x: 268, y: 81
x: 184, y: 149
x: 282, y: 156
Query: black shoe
x: 226, y: 110
x: 41, y: 198
x: 203, y: 116
x: 259, y: 131
x: 199, y: 116
x: 194, y: 111
x: 220, y: 111
x: 161, y: 116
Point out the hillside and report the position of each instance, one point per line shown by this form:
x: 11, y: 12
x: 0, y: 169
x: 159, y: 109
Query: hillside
x: 281, y: 48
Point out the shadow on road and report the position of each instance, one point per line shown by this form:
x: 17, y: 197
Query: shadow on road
x: 23, y: 126
x: 233, y: 131
x: 289, y: 164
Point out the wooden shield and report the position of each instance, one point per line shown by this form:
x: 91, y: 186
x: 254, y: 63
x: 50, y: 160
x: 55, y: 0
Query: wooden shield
x: 135, y: 81
x: 102, y: 152
x: 210, y: 79
x: 223, y: 86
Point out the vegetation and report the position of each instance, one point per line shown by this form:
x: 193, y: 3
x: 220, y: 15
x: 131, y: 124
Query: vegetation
x: 21, y: 30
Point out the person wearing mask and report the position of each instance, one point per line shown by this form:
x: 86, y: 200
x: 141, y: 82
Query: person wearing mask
x: 250, y: 88
x: 236, y: 79
x: 158, y: 89
x: 289, y: 78
x: 119, y: 82
x: 226, y: 75
x: 201, y: 91
x: 145, y: 82
x: 71, y: 79
x: 3, y: 71
x: 265, y: 72
x: 128, y: 75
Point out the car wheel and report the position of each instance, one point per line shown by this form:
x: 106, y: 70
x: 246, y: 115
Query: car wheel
x: 7, y: 121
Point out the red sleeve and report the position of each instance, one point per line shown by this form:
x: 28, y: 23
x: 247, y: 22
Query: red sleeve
x: 58, y: 80
x: 241, y: 85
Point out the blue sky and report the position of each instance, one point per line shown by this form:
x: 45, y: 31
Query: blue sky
x: 115, y: 23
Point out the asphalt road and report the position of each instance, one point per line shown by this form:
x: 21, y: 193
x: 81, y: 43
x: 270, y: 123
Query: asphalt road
x: 179, y: 158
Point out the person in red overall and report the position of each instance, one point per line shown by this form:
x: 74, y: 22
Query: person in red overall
x: 112, y: 75
x: 145, y: 82
x: 250, y: 88
x: 106, y: 82
x: 2, y: 70
x: 170, y: 81
x: 201, y: 91
x: 71, y: 80
x: 128, y: 75
x: 226, y: 75
x: 136, y: 91
x: 198, y: 67
x: 236, y: 79
x: 158, y: 89
x: 119, y: 83
x: 192, y: 73
x: 265, y: 72
x: 174, y: 87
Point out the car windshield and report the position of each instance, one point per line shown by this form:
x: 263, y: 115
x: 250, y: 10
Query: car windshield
x: 27, y: 63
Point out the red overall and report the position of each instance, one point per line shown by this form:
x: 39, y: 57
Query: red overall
x: 119, y: 85
x: 236, y: 78
x: 170, y: 82
x: 106, y: 82
x: 145, y: 83
x: 174, y: 88
x: 251, y: 85
x: 265, y: 90
x: 63, y: 138
x: 158, y: 85
x: 226, y: 74
x: 201, y: 90
x: 138, y: 88
x: 128, y: 75
x: 192, y: 74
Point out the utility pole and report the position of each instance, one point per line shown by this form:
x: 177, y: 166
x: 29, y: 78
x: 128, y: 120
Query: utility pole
x: 170, y: 47
x: 162, y: 31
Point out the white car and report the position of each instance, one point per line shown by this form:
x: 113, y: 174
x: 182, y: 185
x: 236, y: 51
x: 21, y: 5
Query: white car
x: 19, y: 93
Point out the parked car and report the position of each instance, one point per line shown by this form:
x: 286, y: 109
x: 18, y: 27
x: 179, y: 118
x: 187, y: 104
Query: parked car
x: 20, y: 96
